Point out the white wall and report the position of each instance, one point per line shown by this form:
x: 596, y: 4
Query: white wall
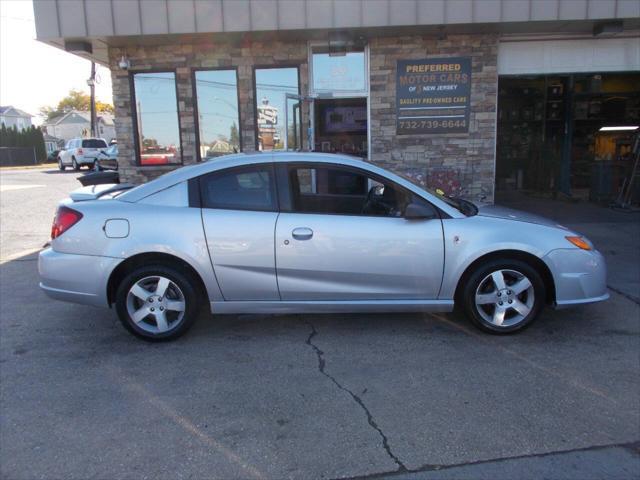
x: 568, y: 56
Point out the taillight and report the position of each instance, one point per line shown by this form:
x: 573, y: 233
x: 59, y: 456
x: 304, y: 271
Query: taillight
x: 79, y: 151
x: 65, y: 219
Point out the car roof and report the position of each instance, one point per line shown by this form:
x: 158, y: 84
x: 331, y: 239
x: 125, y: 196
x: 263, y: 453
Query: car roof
x: 241, y: 159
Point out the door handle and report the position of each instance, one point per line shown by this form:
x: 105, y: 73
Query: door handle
x: 302, y: 233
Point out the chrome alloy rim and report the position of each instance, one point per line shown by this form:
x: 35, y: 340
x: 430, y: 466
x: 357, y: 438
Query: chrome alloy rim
x: 504, y: 298
x: 156, y: 304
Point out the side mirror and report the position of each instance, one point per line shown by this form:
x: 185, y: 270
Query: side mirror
x: 419, y: 211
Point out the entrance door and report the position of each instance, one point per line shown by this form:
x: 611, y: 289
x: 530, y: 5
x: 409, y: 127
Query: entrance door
x: 345, y: 238
x: 295, y: 132
x: 341, y: 126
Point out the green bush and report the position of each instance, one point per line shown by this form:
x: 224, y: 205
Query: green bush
x: 29, y: 137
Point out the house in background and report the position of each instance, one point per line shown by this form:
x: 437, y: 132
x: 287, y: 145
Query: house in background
x: 76, y: 124
x: 14, y: 117
x: 52, y: 143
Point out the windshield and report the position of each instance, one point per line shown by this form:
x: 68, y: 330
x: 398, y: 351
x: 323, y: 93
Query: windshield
x: 94, y: 143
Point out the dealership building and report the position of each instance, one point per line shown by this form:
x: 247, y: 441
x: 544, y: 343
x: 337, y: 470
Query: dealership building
x: 470, y: 96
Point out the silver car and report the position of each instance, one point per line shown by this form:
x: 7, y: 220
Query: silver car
x: 307, y: 233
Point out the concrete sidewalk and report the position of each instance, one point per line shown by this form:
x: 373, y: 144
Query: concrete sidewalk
x: 615, y: 233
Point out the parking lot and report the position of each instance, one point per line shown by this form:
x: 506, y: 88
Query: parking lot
x: 315, y: 396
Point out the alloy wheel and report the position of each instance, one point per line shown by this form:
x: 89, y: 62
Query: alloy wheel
x: 156, y: 304
x: 504, y: 298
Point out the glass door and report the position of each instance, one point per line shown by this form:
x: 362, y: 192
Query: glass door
x: 296, y: 132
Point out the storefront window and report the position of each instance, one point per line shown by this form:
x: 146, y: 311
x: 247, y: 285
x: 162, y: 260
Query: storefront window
x: 218, y: 115
x: 156, y: 110
x: 572, y: 134
x: 272, y: 85
x: 339, y: 73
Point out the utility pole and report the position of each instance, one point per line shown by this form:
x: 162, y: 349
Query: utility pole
x: 92, y: 85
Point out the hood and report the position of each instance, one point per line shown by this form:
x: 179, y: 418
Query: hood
x: 497, y: 211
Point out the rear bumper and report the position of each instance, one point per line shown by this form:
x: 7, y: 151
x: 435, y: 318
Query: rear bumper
x: 85, y: 160
x: 580, y: 276
x: 75, y: 278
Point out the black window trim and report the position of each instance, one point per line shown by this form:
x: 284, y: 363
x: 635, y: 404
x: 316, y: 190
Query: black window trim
x: 271, y: 66
x: 195, y: 104
x: 285, y: 168
x: 134, y: 113
x: 199, y: 199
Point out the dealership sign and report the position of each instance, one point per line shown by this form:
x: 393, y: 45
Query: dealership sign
x: 433, y: 95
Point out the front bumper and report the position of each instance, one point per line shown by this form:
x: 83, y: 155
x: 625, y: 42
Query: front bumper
x: 75, y: 278
x: 580, y: 276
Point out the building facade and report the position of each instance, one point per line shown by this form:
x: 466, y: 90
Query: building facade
x: 14, y: 117
x: 77, y: 124
x: 463, y: 95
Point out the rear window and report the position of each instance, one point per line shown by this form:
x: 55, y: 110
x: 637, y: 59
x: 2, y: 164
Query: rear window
x: 94, y: 143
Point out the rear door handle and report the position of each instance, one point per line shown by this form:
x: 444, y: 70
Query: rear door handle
x: 302, y: 233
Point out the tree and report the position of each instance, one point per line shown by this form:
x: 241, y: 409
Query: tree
x: 4, y: 139
x: 234, y: 138
x: 75, y: 100
x: 28, y: 137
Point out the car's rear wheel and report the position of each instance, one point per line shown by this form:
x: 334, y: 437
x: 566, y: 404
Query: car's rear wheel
x: 61, y: 167
x: 503, y: 296
x: 75, y: 165
x: 157, y: 302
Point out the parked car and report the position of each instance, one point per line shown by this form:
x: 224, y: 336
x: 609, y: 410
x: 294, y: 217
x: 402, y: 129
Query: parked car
x: 304, y: 233
x: 107, y: 159
x: 53, y: 156
x: 79, y: 152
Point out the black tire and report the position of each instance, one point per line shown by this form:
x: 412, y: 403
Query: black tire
x: 479, y: 278
x: 61, y: 167
x: 181, y: 279
x: 74, y: 164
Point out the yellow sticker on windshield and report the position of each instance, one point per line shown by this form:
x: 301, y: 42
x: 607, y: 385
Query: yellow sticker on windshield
x: 439, y: 192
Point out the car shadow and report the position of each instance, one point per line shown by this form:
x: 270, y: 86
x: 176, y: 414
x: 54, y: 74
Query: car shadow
x: 67, y: 171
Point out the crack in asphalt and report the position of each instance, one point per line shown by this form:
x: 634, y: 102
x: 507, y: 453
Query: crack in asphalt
x: 625, y: 295
x: 633, y: 447
x: 321, y: 367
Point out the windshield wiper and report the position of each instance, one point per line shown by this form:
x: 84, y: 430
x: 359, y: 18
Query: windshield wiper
x: 465, y: 206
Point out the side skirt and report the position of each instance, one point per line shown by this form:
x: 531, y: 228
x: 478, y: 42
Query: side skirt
x: 347, y: 306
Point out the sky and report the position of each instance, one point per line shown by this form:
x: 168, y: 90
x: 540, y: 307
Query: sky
x: 33, y: 74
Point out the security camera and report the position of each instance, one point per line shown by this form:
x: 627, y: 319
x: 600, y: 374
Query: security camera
x: 124, y: 63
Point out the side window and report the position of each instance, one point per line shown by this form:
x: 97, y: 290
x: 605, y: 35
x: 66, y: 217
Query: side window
x: 247, y: 188
x: 343, y: 191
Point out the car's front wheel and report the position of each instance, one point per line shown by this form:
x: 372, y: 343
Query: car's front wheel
x: 157, y: 302
x: 503, y: 296
x: 61, y: 166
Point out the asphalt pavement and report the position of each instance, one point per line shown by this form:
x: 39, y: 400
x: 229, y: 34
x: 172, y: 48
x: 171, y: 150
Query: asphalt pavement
x: 408, y: 396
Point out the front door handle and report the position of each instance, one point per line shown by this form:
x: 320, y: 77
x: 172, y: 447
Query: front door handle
x: 302, y: 233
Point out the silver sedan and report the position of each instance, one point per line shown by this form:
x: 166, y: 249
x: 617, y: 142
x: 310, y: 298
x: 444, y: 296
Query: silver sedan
x: 307, y: 233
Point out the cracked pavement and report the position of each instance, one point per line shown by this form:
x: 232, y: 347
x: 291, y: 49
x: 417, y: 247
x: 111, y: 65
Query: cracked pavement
x: 356, y: 398
x: 405, y: 396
